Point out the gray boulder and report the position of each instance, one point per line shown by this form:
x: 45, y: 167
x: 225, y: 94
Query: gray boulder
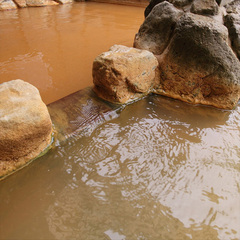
x: 196, y: 64
x: 156, y: 31
x: 232, y: 22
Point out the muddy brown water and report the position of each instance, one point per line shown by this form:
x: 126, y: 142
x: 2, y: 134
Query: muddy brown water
x: 162, y: 170
x: 53, y: 47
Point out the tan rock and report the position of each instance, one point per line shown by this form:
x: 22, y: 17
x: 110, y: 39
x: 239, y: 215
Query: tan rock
x: 21, y: 3
x: 25, y: 125
x: 7, y: 5
x: 40, y: 3
x: 124, y: 74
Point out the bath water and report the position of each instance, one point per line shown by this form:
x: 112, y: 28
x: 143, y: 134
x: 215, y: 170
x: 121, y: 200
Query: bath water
x: 162, y: 170
x: 53, y: 47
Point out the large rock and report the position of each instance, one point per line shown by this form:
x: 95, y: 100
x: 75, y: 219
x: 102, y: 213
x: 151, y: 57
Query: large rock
x: 180, y: 3
x: 156, y: 31
x: 177, y: 3
x: 196, y: 64
x: 25, y: 125
x: 7, y: 5
x: 124, y: 74
x: 232, y: 22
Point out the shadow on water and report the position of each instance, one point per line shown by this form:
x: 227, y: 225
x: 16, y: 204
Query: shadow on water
x: 162, y: 170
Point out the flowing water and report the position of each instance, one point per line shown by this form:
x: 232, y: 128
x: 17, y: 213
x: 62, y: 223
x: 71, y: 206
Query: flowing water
x: 162, y: 170
x: 53, y: 47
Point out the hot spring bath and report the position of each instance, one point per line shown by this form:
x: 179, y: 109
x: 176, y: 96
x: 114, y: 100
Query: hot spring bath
x: 162, y: 169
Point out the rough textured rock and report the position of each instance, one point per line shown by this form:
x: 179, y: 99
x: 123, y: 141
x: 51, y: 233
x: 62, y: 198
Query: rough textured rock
x: 196, y: 64
x: 124, y: 74
x: 232, y: 22
x: 7, y: 5
x: 205, y: 7
x: 156, y: 31
x: 25, y: 125
x: 21, y: 3
x: 150, y: 6
x: 40, y: 3
x: 64, y: 1
x: 153, y: 3
x: 202, y: 7
x: 180, y: 3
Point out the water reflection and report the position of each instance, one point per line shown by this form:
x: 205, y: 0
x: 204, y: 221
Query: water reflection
x: 68, y: 37
x: 154, y: 173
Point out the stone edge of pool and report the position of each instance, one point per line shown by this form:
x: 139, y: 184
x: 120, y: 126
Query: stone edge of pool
x: 73, y: 116
x: 80, y: 112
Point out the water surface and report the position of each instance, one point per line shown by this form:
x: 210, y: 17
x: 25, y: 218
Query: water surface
x: 53, y: 47
x: 163, y: 170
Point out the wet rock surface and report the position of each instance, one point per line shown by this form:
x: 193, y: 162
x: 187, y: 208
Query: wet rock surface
x: 80, y: 112
x: 25, y: 125
x: 196, y: 61
x: 124, y: 74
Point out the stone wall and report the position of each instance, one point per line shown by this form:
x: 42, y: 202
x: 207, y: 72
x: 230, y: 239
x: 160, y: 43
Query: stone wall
x: 15, y: 4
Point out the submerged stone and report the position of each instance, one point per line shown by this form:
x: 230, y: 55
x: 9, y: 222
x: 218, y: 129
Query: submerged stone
x: 25, y: 125
x: 124, y: 74
x: 79, y: 113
